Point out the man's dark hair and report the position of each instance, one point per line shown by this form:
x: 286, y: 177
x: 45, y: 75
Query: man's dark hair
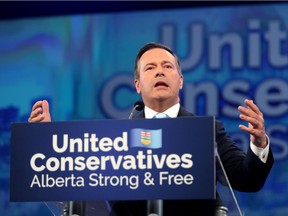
x: 149, y: 46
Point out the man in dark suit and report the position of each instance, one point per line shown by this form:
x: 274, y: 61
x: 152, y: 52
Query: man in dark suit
x: 158, y: 78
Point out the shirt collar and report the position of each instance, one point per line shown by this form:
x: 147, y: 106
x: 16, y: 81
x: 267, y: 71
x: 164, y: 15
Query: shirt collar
x: 172, y: 112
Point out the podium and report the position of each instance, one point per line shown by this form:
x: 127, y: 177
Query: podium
x: 76, y: 167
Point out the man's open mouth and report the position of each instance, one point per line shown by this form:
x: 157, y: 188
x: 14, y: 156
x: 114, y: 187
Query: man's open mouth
x: 161, y: 83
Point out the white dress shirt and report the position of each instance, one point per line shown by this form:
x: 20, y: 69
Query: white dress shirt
x: 172, y: 112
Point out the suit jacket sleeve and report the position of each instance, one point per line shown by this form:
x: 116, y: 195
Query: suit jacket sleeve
x: 246, y: 172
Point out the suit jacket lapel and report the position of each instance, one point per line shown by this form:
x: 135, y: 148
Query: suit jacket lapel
x: 183, y: 112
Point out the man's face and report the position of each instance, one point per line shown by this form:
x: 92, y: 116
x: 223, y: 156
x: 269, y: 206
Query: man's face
x: 159, y: 79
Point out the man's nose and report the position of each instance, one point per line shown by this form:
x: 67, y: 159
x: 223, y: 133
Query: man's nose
x: 160, y: 73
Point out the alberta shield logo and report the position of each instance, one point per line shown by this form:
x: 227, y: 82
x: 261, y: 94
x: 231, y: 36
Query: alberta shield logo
x: 146, y: 138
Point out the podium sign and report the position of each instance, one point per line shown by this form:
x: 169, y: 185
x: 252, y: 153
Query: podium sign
x: 131, y: 159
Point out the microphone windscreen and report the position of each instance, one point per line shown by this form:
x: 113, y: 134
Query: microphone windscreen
x: 139, y: 105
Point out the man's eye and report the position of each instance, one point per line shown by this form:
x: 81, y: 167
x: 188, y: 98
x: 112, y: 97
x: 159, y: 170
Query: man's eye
x: 168, y: 66
x: 149, y: 68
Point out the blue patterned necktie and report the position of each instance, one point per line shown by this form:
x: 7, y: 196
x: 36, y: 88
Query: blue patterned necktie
x: 161, y: 115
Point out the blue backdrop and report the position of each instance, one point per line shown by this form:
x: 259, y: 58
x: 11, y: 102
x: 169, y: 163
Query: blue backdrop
x: 83, y: 64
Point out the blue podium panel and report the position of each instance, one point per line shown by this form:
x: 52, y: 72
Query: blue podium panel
x: 131, y: 159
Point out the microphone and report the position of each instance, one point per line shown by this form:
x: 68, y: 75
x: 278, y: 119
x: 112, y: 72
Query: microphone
x: 138, y: 105
x: 154, y: 207
x: 76, y: 208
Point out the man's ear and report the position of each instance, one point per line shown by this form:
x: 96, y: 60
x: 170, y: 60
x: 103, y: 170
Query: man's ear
x: 137, y: 86
x: 181, y: 83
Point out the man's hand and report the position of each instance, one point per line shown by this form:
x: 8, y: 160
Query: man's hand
x: 40, y: 112
x: 256, y: 128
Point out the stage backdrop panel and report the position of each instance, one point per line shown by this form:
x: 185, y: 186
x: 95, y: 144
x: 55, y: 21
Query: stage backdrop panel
x: 83, y: 65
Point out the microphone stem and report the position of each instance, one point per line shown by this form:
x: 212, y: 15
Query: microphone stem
x: 132, y: 112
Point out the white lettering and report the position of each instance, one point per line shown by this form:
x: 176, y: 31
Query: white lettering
x: 33, y: 162
x: 87, y: 143
x: 98, y: 180
x: 44, y: 180
x: 169, y: 179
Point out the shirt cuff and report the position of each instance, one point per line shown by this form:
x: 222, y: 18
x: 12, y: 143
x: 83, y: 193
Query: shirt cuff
x: 261, y: 153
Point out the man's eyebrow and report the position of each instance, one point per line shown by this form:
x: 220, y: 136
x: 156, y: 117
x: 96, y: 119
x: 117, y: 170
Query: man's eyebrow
x: 165, y: 62
x: 150, y: 63
x: 154, y: 63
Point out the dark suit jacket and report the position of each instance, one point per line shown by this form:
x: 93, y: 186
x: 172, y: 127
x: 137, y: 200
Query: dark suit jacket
x: 246, y: 173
